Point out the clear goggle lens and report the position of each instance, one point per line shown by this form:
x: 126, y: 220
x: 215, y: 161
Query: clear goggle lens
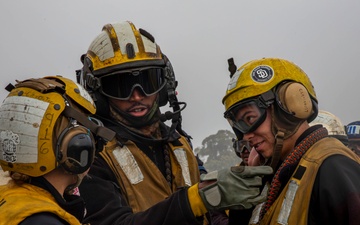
x: 241, y: 146
x: 120, y: 85
x: 246, y: 117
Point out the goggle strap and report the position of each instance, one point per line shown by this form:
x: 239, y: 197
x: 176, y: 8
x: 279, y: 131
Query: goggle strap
x: 100, y: 131
x: 267, y: 98
x: 91, y: 81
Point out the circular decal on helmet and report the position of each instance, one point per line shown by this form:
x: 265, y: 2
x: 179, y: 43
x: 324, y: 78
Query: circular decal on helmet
x: 262, y: 74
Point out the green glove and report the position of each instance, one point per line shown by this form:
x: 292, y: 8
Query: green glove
x: 237, y: 187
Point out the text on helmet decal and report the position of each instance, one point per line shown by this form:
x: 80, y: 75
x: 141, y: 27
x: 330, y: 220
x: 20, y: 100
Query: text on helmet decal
x: 262, y: 74
x: 353, y: 129
x: 9, y: 145
x: 20, y: 119
x: 85, y: 94
x: 234, y: 79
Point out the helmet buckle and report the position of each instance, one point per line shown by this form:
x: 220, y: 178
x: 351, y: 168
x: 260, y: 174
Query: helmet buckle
x: 92, y: 82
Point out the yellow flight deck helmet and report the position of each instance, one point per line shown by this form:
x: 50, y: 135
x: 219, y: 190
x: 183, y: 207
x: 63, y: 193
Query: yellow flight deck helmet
x: 45, y: 124
x: 121, y: 46
x: 122, y: 58
x: 259, y: 76
x: 267, y: 82
x: 268, y: 79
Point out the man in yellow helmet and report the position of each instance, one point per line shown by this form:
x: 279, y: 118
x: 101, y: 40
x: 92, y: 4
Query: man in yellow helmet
x: 149, y: 174
x: 269, y: 102
x: 47, y: 143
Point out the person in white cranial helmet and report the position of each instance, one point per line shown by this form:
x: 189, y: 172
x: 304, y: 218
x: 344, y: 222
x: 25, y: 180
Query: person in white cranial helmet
x: 269, y: 103
x: 47, y: 144
x: 333, y: 125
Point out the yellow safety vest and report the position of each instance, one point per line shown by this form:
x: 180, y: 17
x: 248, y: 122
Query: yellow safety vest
x: 292, y: 205
x: 17, y: 202
x: 141, y: 181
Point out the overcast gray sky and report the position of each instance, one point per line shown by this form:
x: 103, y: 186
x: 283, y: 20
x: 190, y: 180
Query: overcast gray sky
x: 45, y: 37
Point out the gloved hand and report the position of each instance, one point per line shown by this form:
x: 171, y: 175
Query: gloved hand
x: 237, y: 187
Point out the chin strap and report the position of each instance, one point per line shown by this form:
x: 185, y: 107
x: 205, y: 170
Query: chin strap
x: 71, y: 188
x: 283, y: 126
x: 98, y: 130
x: 279, y: 137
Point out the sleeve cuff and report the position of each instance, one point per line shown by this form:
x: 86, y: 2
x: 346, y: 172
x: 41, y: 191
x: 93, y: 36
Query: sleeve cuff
x: 196, y: 203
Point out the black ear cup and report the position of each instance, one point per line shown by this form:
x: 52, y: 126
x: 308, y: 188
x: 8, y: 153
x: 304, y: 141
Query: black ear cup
x: 76, y: 149
x: 163, y: 96
x: 168, y: 93
x: 294, y: 99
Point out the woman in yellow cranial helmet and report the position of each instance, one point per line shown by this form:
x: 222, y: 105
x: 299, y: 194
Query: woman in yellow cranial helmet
x: 269, y: 103
x: 47, y: 145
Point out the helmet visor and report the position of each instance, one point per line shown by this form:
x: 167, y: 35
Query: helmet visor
x: 120, y: 85
x: 247, y: 116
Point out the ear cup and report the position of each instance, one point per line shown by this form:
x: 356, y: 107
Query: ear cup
x: 76, y: 149
x: 168, y: 93
x: 163, y: 96
x: 295, y: 99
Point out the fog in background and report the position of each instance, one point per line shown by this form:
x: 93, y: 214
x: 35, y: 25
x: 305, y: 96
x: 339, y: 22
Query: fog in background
x: 45, y: 37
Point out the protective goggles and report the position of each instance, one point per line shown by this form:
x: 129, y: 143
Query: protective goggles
x: 241, y: 146
x: 120, y: 85
x: 247, y: 116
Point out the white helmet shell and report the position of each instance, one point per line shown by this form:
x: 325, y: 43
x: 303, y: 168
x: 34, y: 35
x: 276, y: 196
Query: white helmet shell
x: 331, y: 122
